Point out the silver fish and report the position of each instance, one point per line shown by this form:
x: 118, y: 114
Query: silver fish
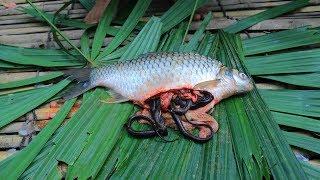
x: 150, y: 74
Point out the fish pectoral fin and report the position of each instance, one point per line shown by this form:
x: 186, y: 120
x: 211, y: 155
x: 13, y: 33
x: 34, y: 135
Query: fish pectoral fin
x: 115, y: 98
x: 207, y: 85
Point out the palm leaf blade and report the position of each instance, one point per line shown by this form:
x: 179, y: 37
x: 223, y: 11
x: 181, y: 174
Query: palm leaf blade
x: 37, y: 57
x: 29, y: 81
x: 249, y: 143
x: 101, y: 29
x: 301, y: 122
x: 305, y: 79
x: 312, y: 171
x: 23, y: 159
x: 292, y: 62
x: 194, y: 41
x: 303, y: 141
x: 58, y: 31
x: 19, y: 108
x: 297, y: 102
x: 281, y: 40
x: 149, y: 36
x: 178, y: 12
x: 268, y: 14
x: 127, y: 27
x: 60, y: 20
x: 88, y: 4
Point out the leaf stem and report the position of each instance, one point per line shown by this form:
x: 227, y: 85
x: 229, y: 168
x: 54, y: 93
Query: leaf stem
x: 59, y: 32
x: 190, y: 20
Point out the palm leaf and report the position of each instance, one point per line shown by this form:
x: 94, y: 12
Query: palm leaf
x: 207, y: 44
x: 175, y: 40
x: 149, y: 36
x: 7, y: 65
x: 29, y: 81
x: 58, y: 20
x: 178, y: 12
x: 88, y: 4
x: 260, y: 125
x: 37, y: 57
x: 281, y: 40
x: 195, y: 39
x: 268, y: 14
x: 301, y: 122
x: 127, y: 27
x: 22, y: 160
x: 73, y: 137
x: 101, y: 31
x: 85, y: 44
x: 249, y: 143
x: 18, y: 104
x: 297, y: 67
x: 64, y: 21
x: 292, y: 62
x: 303, y: 141
x: 58, y: 31
x: 299, y: 79
x: 298, y: 102
x: 312, y: 171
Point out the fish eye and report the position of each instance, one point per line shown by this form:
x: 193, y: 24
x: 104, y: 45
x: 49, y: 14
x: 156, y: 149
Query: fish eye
x: 242, y: 75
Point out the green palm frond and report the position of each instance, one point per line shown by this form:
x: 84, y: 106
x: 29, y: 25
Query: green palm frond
x: 101, y: 31
x: 55, y: 29
x: 194, y: 41
x: 28, y: 81
x: 297, y: 121
x: 297, y: 67
x: 268, y: 14
x: 149, y: 37
x: 15, y: 105
x: 292, y: 62
x: 127, y: 27
x: 303, y: 141
x: 93, y: 143
x: 246, y: 123
x: 299, y: 79
x: 311, y: 170
x: 59, y: 20
x: 21, y: 161
x: 298, y: 102
x: 178, y: 12
x: 37, y: 57
x: 281, y: 40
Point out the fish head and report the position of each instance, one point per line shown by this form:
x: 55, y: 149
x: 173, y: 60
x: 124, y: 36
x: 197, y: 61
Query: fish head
x: 229, y: 82
x: 236, y: 82
x: 242, y: 81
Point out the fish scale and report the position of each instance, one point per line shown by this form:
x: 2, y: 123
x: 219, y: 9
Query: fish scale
x: 150, y: 74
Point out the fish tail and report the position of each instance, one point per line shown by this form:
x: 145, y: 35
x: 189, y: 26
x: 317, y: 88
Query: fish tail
x: 82, y: 78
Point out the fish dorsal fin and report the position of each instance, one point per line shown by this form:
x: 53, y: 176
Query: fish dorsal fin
x: 115, y: 98
x: 206, y: 85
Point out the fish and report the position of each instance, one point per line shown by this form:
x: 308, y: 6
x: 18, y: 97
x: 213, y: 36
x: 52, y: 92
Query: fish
x: 149, y: 74
x: 164, y: 75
